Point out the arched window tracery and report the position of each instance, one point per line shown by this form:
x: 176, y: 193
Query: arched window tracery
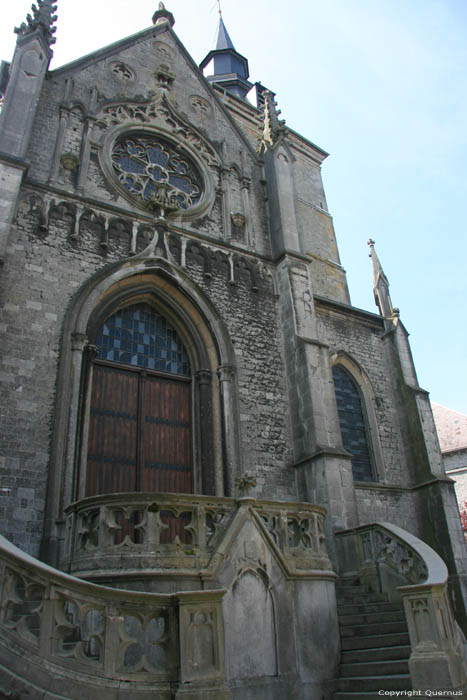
x: 353, y: 424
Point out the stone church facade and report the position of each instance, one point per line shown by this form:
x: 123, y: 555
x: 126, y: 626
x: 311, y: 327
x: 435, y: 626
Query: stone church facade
x: 201, y: 436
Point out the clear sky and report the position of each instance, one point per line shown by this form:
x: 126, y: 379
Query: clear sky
x: 381, y: 86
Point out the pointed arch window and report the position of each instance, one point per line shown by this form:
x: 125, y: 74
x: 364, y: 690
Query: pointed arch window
x: 140, y: 424
x: 353, y: 424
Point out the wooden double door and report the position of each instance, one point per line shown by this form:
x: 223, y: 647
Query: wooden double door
x: 140, y: 432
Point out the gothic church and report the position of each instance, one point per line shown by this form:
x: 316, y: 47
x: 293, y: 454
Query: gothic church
x: 219, y: 478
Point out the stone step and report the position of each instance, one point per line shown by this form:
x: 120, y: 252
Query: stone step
x: 365, y: 683
x: 367, y: 630
x: 370, y: 618
x: 374, y: 640
x: 351, y: 596
x: 343, y: 586
x: 374, y: 668
x: 376, y: 654
x: 363, y: 608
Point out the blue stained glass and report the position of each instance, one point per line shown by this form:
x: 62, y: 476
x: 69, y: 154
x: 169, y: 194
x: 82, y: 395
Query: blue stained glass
x: 143, y: 161
x: 353, y: 424
x: 139, y: 336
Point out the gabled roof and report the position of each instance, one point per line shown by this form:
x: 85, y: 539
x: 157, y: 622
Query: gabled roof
x: 142, y: 36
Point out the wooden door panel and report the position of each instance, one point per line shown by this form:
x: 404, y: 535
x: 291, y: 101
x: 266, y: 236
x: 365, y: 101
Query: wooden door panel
x: 112, y: 442
x: 167, y: 451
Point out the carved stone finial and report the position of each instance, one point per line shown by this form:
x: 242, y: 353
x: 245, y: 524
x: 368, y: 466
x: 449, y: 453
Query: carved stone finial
x: 380, y: 285
x: 273, y: 127
x: 163, y: 16
x: 245, y: 483
x: 41, y: 21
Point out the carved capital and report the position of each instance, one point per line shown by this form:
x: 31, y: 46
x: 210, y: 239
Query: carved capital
x: 226, y: 373
x: 203, y: 377
x: 92, y: 351
x: 78, y: 341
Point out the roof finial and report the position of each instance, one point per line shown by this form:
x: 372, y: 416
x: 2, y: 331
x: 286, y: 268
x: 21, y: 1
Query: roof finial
x: 381, y: 286
x: 219, y: 6
x: 162, y: 16
x: 273, y: 127
x: 41, y: 20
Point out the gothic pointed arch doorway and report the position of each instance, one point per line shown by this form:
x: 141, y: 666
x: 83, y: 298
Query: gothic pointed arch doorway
x: 140, y: 408
x: 209, y: 380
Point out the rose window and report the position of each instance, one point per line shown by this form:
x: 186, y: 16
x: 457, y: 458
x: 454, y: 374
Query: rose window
x: 153, y: 170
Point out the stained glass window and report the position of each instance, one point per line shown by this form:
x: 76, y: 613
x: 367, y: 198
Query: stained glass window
x: 138, y: 335
x: 352, y: 424
x: 143, y: 163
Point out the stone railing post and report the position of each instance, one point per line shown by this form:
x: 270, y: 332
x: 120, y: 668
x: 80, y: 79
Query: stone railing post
x: 368, y: 566
x: 202, y: 674
x: 438, y: 658
x: 114, y: 620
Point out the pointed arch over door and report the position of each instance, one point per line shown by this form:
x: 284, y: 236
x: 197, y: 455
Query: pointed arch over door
x: 140, y: 427
x: 211, y: 383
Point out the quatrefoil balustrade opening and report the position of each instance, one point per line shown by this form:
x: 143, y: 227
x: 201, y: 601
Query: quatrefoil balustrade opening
x: 156, y: 173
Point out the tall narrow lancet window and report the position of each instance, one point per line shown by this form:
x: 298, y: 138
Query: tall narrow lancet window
x: 353, y: 424
x: 140, y: 427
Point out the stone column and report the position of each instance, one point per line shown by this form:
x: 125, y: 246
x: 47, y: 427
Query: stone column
x: 247, y: 209
x: 64, y: 116
x: 209, y: 478
x: 226, y: 206
x: 226, y: 375
x: 85, y: 153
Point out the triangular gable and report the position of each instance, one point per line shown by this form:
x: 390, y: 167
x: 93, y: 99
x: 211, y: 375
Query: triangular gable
x: 120, y: 47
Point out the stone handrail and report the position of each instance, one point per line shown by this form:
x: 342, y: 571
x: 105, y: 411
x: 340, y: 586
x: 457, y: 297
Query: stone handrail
x: 389, y: 559
x: 80, y: 638
x: 176, y: 531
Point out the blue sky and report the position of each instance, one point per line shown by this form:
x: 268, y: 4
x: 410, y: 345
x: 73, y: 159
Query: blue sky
x: 381, y: 86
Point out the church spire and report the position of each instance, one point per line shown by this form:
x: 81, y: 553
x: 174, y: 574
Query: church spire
x: 381, y: 286
x: 230, y: 69
x: 40, y: 22
x: 223, y: 40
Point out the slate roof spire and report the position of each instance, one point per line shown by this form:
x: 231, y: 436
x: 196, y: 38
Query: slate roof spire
x: 223, y: 39
x: 230, y: 69
x: 41, y: 21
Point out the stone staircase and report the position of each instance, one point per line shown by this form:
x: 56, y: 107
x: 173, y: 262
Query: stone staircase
x: 375, y: 644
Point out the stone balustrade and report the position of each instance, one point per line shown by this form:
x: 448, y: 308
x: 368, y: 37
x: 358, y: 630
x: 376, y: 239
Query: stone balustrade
x: 390, y: 559
x: 166, y: 532
x: 82, y: 638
